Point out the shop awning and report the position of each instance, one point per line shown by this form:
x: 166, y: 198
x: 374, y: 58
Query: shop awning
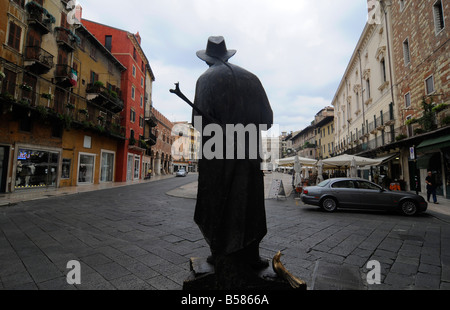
x: 423, y: 161
x: 434, y: 144
x: 385, y: 159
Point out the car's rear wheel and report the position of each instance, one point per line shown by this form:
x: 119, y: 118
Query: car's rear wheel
x: 408, y: 207
x: 329, y: 204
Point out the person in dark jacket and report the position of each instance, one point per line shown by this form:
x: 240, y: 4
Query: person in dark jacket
x: 230, y: 210
x: 431, y: 187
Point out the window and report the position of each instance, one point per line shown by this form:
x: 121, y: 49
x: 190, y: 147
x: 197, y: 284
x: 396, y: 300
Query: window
x: 133, y: 92
x: 429, y: 85
x: 402, y: 5
x: 108, y: 42
x: 86, y: 169
x: 15, y: 34
x: 20, y: 3
x: 142, y: 82
x: 141, y: 121
x: 9, y: 82
x: 107, y: 167
x: 132, y: 116
x: 343, y: 184
x: 409, y: 126
x: 142, y: 102
x: 137, y: 164
x: 36, y: 168
x: 367, y: 185
x: 134, y: 54
x: 406, y: 52
x: 368, y: 89
x: 383, y: 70
x: 438, y: 13
x: 66, y: 164
x: 134, y: 71
x: 407, y: 100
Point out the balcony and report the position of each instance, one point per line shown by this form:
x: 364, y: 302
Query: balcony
x: 388, y: 118
x: 38, y: 60
x: 103, y: 97
x: 39, y: 17
x: 150, y: 118
x: 151, y: 140
x: 66, y: 39
x: 66, y: 76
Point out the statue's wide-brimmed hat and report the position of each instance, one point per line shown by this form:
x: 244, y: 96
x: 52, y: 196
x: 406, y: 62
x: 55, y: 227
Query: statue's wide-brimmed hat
x: 216, y: 50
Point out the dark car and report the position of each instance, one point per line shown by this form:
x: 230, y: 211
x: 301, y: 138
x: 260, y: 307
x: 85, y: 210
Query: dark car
x: 355, y: 193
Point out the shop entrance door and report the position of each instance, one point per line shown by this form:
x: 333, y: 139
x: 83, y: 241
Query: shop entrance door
x: 130, y: 167
x: 4, y: 152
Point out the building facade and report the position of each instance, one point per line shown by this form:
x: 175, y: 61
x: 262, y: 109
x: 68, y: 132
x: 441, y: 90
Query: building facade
x: 126, y: 47
x: 421, y: 57
x: 56, y: 127
x: 162, y: 159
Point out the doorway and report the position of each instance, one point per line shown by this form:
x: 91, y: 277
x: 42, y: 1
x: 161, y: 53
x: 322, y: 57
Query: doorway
x: 4, y: 158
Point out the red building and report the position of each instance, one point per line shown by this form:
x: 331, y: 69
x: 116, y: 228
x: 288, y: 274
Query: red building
x: 126, y: 47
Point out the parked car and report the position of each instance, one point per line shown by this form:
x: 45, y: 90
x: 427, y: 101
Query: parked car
x: 181, y: 173
x: 356, y: 193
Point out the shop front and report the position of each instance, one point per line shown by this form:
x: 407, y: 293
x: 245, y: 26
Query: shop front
x: 434, y: 156
x: 36, y: 167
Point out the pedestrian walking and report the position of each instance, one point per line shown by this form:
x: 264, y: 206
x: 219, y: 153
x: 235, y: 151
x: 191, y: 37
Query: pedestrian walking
x: 431, y: 187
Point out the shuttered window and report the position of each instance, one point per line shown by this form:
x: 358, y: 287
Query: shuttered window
x: 438, y: 13
x: 15, y: 33
x: 406, y: 53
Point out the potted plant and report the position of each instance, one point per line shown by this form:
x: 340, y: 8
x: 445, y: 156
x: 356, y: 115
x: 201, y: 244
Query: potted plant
x: 83, y: 111
x: 411, y: 121
x: 100, y: 118
x: 47, y: 96
x: 26, y: 87
x: 99, y: 84
x: 400, y: 137
x: 70, y: 106
x: 438, y: 108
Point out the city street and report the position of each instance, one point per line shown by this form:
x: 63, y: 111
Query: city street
x: 138, y: 237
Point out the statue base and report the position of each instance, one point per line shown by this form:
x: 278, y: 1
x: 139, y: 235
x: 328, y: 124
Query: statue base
x: 203, y: 277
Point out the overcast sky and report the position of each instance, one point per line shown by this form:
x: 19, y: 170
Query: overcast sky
x: 299, y: 49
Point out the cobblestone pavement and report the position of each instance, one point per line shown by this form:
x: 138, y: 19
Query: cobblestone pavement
x: 138, y: 237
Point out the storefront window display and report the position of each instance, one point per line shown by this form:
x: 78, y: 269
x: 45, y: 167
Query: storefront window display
x: 36, y: 168
x: 86, y: 169
x: 107, y: 167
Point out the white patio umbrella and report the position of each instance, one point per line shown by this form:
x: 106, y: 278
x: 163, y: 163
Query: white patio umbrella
x: 346, y: 161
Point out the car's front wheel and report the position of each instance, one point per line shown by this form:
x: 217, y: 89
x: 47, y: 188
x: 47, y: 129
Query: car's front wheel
x: 408, y: 207
x: 329, y: 204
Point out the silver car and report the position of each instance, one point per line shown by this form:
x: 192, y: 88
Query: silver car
x: 181, y: 173
x: 356, y: 193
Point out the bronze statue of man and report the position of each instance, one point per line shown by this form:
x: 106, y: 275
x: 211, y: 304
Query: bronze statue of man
x: 230, y: 210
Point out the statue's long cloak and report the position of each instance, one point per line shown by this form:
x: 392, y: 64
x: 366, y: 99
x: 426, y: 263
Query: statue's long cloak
x: 230, y: 209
